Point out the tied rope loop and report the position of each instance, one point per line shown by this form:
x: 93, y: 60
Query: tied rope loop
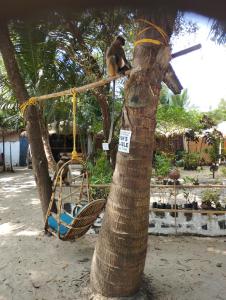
x: 149, y: 40
x: 24, y: 106
x: 74, y: 154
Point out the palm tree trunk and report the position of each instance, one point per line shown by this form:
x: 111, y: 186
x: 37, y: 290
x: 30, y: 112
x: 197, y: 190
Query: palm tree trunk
x: 119, y: 256
x: 39, y: 161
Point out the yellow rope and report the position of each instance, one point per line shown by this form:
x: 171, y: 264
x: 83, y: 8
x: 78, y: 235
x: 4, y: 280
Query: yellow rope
x: 24, y: 106
x: 149, y: 40
x: 33, y: 101
x: 74, y: 154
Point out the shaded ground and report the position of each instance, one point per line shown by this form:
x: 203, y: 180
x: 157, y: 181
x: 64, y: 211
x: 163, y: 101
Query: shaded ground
x: 34, y: 266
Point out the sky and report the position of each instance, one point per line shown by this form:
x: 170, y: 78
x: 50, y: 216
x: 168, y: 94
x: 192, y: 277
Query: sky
x: 202, y: 72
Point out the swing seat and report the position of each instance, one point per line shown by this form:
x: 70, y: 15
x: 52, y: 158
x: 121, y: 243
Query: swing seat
x: 74, y: 227
x: 66, y: 218
x: 52, y: 222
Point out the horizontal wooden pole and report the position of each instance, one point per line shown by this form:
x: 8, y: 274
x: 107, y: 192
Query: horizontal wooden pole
x: 187, y: 186
x: 102, y: 82
x: 201, y: 211
x: 181, y: 186
x: 103, y: 186
x: 81, y: 89
x: 186, y: 51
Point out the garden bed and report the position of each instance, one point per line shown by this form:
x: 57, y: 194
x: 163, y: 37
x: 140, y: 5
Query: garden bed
x: 198, y: 222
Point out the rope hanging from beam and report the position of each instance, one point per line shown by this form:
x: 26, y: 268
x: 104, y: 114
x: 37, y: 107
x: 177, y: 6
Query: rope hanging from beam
x: 71, y: 91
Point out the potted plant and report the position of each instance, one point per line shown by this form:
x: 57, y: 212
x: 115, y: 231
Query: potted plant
x: 162, y: 165
x: 191, y: 161
x: 209, y: 198
x: 193, y: 180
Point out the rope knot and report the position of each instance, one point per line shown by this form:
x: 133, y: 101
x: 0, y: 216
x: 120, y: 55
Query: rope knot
x: 24, y: 106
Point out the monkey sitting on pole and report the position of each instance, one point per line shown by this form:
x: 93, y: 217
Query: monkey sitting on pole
x: 116, y: 64
x: 66, y: 174
x: 116, y: 58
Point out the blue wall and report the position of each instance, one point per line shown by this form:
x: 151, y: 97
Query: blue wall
x: 23, y: 151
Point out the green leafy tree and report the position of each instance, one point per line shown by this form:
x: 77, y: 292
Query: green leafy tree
x: 219, y: 114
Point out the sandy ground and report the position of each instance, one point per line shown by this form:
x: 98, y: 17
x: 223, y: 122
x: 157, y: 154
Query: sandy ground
x: 34, y: 266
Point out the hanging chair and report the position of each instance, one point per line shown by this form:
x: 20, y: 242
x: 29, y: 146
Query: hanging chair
x: 67, y: 220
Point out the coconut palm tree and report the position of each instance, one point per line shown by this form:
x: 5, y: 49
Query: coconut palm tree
x: 120, y: 251
x: 31, y: 116
x: 119, y: 256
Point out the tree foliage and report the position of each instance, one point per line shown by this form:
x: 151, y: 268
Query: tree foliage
x: 173, y: 114
x: 219, y: 114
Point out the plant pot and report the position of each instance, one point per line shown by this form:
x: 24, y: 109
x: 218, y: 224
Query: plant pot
x: 154, y: 205
x: 218, y: 206
x: 163, y: 206
x: 206, y: 206
x: 195, y: 205
x: 165, y: 181
x: 170, y: 182
x: 196, y: 183
x: 188, y: 205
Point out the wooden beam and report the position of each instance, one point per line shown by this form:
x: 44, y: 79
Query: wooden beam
x: 200, y: 211
x: 81, y: 89
x: 102, y: 82
x: 172, y: 81
x: 162, y: 186
x: 186, y: 51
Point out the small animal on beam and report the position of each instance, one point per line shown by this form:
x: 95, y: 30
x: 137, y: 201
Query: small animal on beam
x: 116, y: 58
x: 66, y: 174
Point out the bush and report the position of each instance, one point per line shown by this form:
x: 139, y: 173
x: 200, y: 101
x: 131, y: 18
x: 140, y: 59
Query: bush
x: 191, y: 161
x: 179, y: 155
x: 223, y: 171
x: 214, y: 153
x: 100, y: 173
x: 210, y: 197
x: 162, y: 165
x: 179, y: 163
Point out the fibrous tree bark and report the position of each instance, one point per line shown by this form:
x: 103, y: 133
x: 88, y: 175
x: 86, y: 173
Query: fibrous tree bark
x: 119, y: 256
x: 39, y: 161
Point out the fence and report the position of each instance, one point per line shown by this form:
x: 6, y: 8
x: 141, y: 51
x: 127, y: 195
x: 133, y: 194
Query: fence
x: 173, y: 218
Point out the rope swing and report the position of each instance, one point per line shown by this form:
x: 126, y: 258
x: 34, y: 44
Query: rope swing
x: 74, y: 154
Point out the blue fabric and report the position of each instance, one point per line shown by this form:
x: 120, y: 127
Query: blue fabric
x: 52, y: 222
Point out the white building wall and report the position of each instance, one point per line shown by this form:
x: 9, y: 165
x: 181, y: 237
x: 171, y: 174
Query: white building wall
x: 15, y: 149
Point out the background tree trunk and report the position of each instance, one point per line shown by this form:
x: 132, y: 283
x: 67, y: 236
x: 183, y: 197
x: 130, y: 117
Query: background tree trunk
x: 119, y: 257
x: 39, y: 161
x: 3, y: 145
x: 47, y: 148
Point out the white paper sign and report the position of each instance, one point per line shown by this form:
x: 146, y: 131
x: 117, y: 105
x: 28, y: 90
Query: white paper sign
x: 124, y: 141
x: 105, y: 146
